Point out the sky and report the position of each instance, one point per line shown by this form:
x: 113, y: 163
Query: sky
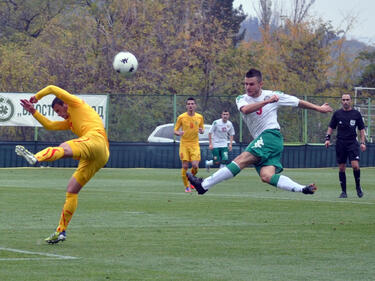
x: 336, y: 11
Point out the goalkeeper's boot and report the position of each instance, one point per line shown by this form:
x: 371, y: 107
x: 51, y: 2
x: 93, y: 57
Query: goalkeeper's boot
x: 29, y: 157
x: 309, y: 189
x: 56, y: 237
x: 197, y: 183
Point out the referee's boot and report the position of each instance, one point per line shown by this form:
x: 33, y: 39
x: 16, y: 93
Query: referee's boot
x: 359, y: 192
x: 343, y: 195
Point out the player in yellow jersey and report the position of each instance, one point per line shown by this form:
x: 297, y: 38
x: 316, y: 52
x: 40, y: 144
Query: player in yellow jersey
x: 91, y: 147
x: 188, y: 125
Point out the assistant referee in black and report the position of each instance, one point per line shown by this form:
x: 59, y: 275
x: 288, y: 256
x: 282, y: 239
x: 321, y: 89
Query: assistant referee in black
x: 347, y: 120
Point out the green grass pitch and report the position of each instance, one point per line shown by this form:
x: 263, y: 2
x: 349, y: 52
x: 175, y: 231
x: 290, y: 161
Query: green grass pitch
x: 138, y: 224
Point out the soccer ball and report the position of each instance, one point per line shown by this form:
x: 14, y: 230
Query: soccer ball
x: 125, y: 63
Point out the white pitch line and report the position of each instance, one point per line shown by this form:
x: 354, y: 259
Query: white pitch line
x: 308, y: 199
x: 296, y: 199
x: 37, y: 253
x: 26, y: 259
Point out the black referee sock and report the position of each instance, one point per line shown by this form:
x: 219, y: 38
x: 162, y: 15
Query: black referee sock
x: 357, y: 178
x: 342, y: 178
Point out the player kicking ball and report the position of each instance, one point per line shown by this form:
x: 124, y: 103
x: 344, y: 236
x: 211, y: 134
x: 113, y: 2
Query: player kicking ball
x: 91, y: 147
x: 259, y: 111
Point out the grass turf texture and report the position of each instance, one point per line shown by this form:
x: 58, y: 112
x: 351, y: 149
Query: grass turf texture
x: 138, y: 224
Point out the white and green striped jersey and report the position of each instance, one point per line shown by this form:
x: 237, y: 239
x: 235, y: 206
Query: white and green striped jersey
x: 266, y: 117
x: 220, y: 132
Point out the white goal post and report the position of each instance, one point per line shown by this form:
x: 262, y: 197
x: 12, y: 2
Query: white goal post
x: 367, y: 110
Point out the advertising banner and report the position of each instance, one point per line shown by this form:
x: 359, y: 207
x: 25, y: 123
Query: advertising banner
x: 13, y: 114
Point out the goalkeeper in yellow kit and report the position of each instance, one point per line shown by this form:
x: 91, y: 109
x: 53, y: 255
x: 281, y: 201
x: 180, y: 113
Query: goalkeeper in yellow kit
x: 91, y: 147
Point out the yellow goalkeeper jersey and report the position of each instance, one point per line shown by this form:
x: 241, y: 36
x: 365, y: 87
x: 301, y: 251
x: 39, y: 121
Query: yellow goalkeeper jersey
x: 81, y: 120
x: 190, y: 125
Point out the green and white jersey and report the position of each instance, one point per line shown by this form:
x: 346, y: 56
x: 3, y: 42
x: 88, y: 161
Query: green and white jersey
x: 265, y: 117
x: 220, y: 132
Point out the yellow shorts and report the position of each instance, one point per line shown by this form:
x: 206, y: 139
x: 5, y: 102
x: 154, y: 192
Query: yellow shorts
x: 92, y: 152
x: 190, y: 152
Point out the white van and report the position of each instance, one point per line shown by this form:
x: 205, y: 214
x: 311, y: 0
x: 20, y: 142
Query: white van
x: 165, y: 133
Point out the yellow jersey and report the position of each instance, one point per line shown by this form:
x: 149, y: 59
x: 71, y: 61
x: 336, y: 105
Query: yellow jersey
x: 82, y: 117
x: 190, y: 125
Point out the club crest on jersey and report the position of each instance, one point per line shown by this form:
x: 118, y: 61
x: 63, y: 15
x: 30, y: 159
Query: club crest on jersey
x: 352, y: 122
x: 259, y: 112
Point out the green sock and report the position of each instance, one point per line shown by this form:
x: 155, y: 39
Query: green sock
x: 233, y: 167
x: 274, y: 180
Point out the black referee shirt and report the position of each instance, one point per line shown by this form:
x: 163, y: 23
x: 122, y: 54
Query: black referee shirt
x: 346, y: 123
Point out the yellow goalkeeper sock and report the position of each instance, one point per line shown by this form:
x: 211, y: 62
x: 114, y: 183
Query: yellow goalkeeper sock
x: 69, y: 208
x: 184, y: 177
x: 194, y: 171
x: 50, y: 154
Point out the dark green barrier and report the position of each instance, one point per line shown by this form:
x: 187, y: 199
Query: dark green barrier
x: 165, y: 155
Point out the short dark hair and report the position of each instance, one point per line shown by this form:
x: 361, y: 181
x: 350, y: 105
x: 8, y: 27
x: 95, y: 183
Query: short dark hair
x: 254, y: 73
x: 225, y: 110
x: 57, y: 101
x: 191, y: 98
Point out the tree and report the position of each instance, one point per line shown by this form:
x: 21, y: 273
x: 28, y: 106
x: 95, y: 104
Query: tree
x: 264, y: 13
x: 229, y: 18
x: 367, y: 78
x: 183, y: 47
x: 23, y: 20
x: 300, y: 10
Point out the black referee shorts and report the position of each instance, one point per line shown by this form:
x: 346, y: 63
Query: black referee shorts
x: 347, y: 150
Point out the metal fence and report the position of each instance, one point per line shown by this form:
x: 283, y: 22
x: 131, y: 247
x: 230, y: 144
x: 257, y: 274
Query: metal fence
x: 132, y: 118
x: 165, y: 155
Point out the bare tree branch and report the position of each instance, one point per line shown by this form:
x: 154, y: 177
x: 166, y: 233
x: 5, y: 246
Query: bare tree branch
x: 301, y: 9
